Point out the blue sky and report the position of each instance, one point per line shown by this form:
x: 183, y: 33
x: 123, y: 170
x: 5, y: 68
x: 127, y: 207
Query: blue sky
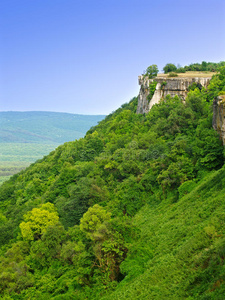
x: 84, y: 56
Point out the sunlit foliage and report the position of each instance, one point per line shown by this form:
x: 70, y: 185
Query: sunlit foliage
x: 135, y: 210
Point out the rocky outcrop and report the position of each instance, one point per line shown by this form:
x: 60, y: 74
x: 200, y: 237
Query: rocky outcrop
x: 219, y: 116
x: 165, y: 85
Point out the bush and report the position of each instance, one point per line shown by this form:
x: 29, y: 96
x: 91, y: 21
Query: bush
x: 180, y: 70
x: 163, y: 84
x: 194, y: 85
x: 186, y: 188
x: 152, y: 87
x: 172, y: 74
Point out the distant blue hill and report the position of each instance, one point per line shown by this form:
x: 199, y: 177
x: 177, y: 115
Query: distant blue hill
x: 44, y: 127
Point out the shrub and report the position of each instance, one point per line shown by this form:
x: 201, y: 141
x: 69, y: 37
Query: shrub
x: 163, y: 84
x: 180, y: 70
x: 172, y: 74
x: 152, y: 87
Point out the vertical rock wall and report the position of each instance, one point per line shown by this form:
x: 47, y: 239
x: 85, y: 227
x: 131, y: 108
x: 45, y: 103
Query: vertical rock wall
x: 165, y: 85
x: 219, y: 116
x: 179, y: 86
x: 143, y: 105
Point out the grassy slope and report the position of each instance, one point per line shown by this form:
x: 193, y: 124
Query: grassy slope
x: 182, y: 247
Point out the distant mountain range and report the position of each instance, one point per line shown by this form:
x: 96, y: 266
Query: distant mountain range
x: 44, y: 127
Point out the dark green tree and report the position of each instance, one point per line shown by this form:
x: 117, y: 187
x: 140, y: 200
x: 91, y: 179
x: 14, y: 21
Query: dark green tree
x: 169, y: 68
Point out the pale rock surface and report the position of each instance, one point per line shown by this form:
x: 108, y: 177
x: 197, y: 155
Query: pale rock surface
x: 219, y: 116
x: 174, y: 86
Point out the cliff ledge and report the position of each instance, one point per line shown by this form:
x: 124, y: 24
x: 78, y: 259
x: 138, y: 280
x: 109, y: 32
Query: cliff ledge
x: 165, y: 85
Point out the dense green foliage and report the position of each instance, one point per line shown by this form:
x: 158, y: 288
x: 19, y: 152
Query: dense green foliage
x: 169, y: 68
x: 203, y: 67
x: 134, y: 210
x: 152, y: 87
x: 181, y: 248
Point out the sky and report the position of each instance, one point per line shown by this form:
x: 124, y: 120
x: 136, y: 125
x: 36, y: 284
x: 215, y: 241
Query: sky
x: 85, y: 56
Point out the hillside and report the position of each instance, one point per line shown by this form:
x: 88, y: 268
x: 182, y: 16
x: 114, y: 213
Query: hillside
x: 134, y: 210
x: 44, y: 127
x: 180, y: 252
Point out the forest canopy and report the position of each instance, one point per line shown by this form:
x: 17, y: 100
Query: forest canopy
x: 203, y: 67
x: 133, y: 210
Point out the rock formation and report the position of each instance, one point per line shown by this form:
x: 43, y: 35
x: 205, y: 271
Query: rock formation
x: 219, y: 116
x: 165, y: 85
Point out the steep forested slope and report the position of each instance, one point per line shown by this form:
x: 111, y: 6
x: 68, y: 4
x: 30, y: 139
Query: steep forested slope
x: 181, y: 248
x: 133, y: 210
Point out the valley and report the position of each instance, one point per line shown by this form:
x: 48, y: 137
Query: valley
x: 28, y: 136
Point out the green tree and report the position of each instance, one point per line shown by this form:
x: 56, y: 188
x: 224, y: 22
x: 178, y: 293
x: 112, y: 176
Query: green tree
x: 93, y: 219
x: 38, y: 220
x: 14, y: 275
x: 45, y: 250
x: 196, y: 102
x: 169, y: 68
x: 130, y: 196
x: 108, y: 243
x: 151, y: 71
x: 204, y: 65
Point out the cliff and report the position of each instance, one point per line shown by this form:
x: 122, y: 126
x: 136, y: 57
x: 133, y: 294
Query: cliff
x: 165, y: 85
x: 219, y: 116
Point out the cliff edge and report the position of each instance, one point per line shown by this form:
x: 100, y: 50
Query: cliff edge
x: 219, y: 116
x: 165, y: 85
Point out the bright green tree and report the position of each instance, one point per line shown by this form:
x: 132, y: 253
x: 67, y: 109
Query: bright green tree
x: 108, y: 244
x: 93, y: 219
x: 38, y: 220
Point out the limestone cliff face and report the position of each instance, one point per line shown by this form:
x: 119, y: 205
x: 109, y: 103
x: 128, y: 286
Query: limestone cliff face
x: 165, y: 85
x: 219, y: 116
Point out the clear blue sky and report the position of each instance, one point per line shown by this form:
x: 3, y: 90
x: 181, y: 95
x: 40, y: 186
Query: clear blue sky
x: 84, y: 56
